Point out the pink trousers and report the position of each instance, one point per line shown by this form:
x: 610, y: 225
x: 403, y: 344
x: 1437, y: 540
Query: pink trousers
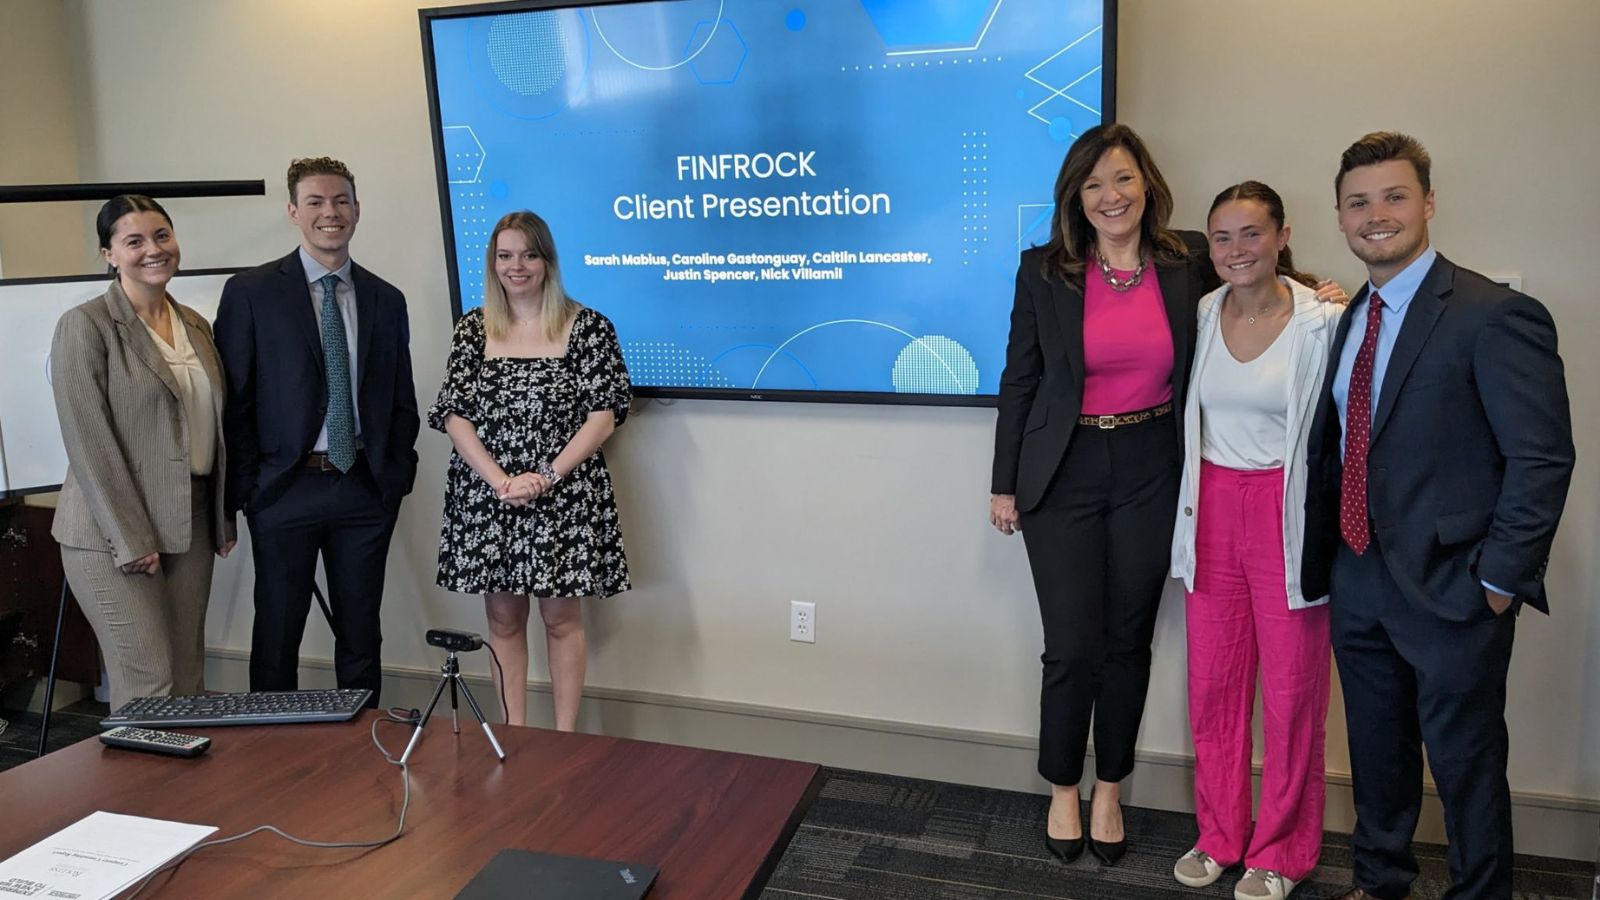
x: 1239, y: 618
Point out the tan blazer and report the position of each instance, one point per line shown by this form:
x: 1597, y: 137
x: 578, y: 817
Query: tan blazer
x: 126, y: 435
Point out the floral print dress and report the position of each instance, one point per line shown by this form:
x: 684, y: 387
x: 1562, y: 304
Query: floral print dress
x: 567, y: 543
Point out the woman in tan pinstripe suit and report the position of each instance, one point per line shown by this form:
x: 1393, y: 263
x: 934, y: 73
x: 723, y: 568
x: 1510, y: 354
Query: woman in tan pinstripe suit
x: 138, y: 389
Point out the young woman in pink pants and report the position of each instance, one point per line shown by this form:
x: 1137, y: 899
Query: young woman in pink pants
x: 1258, y: 367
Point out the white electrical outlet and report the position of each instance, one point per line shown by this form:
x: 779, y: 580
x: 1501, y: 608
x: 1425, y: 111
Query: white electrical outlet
x: 802, y: 621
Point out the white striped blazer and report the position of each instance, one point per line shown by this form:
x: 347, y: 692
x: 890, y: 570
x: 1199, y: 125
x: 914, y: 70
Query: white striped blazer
x: 1313, y: 323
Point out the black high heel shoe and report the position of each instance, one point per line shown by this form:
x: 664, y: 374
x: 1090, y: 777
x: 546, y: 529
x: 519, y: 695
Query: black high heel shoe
x: 1065, y: 849
x: 1108, y: 852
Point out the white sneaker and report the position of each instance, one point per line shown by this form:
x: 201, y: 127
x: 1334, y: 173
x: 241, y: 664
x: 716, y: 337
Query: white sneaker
x: 1196, y: 869
x: 1262, y: 884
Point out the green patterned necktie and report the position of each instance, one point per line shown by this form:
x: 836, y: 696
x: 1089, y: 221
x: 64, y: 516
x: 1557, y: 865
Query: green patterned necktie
x: 336, y: 358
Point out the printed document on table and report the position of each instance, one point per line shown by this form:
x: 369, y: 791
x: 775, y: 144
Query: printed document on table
x: 96, y: 857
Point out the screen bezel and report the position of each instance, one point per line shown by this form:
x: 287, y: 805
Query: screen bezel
x: 426, y: 17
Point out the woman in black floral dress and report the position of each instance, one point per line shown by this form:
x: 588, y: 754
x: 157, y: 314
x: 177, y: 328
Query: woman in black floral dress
x: 534, y: 386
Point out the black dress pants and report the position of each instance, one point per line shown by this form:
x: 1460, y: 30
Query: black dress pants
x: 344, y: 518
x: 1411, y: 678
x: 1099, y: 545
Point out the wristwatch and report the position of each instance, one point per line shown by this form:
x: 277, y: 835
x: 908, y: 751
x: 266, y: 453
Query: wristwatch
x: 548, y: 473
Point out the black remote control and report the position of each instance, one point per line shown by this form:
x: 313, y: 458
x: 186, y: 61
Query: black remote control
x: 151, y: 741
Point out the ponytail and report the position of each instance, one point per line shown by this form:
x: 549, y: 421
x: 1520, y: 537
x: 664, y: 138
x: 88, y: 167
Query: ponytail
x: 1286, y: 269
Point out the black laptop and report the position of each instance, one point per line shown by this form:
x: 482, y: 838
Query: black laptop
x: 525, y: 875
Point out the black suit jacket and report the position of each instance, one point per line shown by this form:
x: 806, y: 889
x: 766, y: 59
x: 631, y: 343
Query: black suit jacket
x: 1041, y: 389
x: 277, y: 389
x: 1471, y: 448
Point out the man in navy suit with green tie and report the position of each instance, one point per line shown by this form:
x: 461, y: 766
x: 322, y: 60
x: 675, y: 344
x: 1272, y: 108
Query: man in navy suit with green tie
x: 321, y: 422
x: 1439, y: 461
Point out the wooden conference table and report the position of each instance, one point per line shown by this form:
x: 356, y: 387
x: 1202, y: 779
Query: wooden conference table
x: 715, y: 823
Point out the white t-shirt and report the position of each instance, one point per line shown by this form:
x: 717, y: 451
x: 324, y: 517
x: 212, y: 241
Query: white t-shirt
x: 1244, y: 406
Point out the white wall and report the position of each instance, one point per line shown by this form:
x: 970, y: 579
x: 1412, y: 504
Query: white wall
x: 878, y: 514
x: 38, y: 142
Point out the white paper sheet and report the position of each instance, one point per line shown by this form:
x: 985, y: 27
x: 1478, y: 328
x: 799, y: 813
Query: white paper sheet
x: 96, y: 857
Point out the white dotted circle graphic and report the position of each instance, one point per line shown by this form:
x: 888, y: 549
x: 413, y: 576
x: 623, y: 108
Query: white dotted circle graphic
x: 528, y: 52
x: 935, y: 364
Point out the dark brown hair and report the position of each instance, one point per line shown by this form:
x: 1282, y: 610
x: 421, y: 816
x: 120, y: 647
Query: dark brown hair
x: 1382, y: 146
x: 1072, y: 238
x: 105, y: 224
x: 1267, y: 197
x: 301, y: 169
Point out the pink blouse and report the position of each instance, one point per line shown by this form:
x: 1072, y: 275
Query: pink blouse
x: 1127, y: 345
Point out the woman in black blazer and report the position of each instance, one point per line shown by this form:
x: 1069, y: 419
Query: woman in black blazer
x: 1088, y: 457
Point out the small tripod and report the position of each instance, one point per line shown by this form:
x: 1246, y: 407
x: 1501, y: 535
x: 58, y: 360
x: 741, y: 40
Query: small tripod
x: 450, y: 674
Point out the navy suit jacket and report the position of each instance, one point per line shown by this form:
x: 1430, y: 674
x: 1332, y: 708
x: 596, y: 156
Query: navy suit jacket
x: 1471, y: 449
x: 271, y: 353
x: 1041, y: 389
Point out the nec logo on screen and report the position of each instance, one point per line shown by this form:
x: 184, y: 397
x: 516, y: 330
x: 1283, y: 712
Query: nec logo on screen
x: 627, y: 876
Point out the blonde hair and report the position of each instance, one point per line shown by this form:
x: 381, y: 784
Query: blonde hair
x: 556, y: 310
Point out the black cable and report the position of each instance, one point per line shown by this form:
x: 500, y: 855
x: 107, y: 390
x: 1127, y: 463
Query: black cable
x: 505, y: 710
x: 411, y: 717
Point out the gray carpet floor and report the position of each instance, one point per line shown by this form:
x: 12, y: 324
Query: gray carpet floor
x: 19, y: 741
x: 881, y: 837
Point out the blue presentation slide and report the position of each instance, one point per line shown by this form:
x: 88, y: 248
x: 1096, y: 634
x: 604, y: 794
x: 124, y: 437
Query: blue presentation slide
x: 769, y: 196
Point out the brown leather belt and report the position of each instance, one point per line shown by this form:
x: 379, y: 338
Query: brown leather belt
x: 1106, y: 423
x: 319, y: 462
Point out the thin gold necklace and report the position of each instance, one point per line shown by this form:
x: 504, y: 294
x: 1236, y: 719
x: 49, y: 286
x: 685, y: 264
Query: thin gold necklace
x: 1250, y: 317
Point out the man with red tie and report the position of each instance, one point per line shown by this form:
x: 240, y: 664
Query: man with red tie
x: 1439, y: 461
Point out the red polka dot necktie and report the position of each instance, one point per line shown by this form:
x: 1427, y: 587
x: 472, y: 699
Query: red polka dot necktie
x: 1358, y: 436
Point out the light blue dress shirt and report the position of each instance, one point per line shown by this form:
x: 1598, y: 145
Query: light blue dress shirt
x: 1396, y: 296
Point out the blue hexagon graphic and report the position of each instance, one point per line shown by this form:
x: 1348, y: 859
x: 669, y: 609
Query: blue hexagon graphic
x: 903, y: 24
x: 464, y: 152
x: 720, y: 60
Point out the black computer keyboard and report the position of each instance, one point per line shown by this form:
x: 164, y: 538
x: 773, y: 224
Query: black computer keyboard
x: 257, y: 708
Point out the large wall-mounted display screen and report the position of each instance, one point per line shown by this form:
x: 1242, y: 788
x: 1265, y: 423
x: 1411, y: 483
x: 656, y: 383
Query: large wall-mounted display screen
x: 785, y: 200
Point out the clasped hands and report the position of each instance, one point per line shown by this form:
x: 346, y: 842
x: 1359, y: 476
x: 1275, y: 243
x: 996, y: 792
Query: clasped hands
x: 520, y: 490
